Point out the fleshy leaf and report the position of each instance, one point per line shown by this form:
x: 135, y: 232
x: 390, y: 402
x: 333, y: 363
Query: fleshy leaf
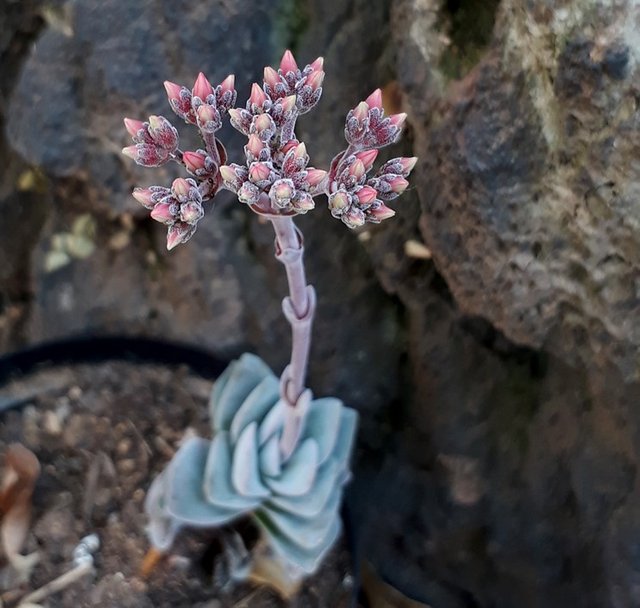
x: 272, y: 422
x: 162, y: 529
x: 270, y: 461
x: 346, y: 435
x: 186, y: 500
x: 323, y: 424
x: 308, y: 560
x: 218, y: 488
x: 315, y: 500
x: 256, y: 406
x: 298, y: 473
x: 304, y: 533
x: 245, y: 472
x: 244, y: 375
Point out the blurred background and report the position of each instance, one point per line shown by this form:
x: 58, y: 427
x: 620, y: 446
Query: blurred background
x: 489, y: 334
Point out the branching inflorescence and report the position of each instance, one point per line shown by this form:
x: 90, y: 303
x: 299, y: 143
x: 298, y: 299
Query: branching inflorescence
x: 281, y: 440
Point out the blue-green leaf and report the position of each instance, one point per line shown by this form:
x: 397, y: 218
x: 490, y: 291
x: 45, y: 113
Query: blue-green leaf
x: 245, y: 471
x: 298, y: 473
x: 244, y: 375
x: 218, y: 488
x: 186, y: 500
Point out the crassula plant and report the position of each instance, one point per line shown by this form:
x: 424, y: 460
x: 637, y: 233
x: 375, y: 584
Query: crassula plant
x: 275, y: 454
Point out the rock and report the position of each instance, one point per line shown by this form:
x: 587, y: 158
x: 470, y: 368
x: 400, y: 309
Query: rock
x: 528, y: 208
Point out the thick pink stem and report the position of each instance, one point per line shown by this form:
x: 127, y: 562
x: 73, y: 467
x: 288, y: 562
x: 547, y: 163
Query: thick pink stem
x: 299, y: 308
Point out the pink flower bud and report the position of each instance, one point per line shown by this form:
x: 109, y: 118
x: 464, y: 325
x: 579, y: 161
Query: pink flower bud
x: 375, y: 99
x: 292, y: 143
x: 180, y: 188
x: 202, y: 87
x: 179, y: 233
x: 147, y: 155
x: 339, y: 201
x: 259, y: 173
x: 180, y: 101
x: 397, y: 120
x: 288, y: 63
x: 163, y: 213
x: 314, y: 80
x: 281, y: 192
x: 144, y: 196
x: 173, y: 90
x: 248, y: 193
x: 131, y: 152
x: 357, y: 169
x: 208, y: 117
x: 398, y: 184
x: 354, y: 217
x: 240, y: 119
x: 367, y: 157
x: 379, y: 213
x: 315, y: 176
x: 361, y: 111
x: 288, y: 103
x: 163, y: 133
x: 300, y: 150
x: 258, y: 96
x: 271, y: 77
x: 317, y: 65
x: 263, y: 122
x: 228, y: 84
x: 403, y: 166
x: 229, y: 176
x: 194, y: 161
x: 408, y: 164
x: 303, y: 202
x: 191, y: 212
x: 133, y: 126
x: 366, y: 195
x: 254, y: 146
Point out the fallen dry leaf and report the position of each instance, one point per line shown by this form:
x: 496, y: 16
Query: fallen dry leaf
x: 20, y: 473
x: 150, y: 561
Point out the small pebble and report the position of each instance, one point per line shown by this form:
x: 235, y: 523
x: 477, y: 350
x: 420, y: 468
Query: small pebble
x: 124, y: 445
x: 52, y: 424
x: 75, y: 392
x: 179, y: 562
x: 128, y: 465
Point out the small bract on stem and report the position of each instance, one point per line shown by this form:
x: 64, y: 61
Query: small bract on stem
x: 276, y: 182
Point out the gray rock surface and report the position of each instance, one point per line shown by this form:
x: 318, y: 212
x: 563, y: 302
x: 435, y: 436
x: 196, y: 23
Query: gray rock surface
x: 498, y: 380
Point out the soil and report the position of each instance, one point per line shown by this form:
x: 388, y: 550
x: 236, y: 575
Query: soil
x: 101, y: 432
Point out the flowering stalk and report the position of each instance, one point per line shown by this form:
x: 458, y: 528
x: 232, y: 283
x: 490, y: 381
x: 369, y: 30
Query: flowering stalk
x: 274, y: 181
x: 299, y: 308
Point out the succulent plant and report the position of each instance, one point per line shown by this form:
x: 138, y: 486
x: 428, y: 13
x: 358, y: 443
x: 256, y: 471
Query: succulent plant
x: 241, y: 470
x: 276, y: 455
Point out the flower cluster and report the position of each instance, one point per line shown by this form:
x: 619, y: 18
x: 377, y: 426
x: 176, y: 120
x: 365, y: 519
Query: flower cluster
x: 271, y: 187
x: 353, y: 197
x: 178, y: 207
x: 274, y: 179
x: 203, y: 106
x: 156, y: 142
